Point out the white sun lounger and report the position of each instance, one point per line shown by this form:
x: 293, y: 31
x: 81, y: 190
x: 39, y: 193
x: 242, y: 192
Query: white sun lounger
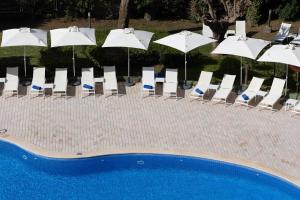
x: 251, y: 92
x: 202, y: 86
x: 296, y: 109
x: 282, y: 33
x: 296, y: 40
x: 240, y: 29
x: 148, y: 81
x: 38, y: 81
x: 11, y: 84
x: 110, y: 83
x: 274, y: 94
x: 60, y: 82
x: 87, y: 81
x: 225, y: 89
x: 171, y: 83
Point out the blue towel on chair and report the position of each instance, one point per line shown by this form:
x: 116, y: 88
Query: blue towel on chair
x: 35, y: 87
x: 245, y: 97
x: 199, y: 91
x: 149, y: 87
x: 89, y: 87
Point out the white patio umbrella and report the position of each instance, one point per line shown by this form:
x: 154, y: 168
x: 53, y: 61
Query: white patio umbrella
x: 185, y: 41
x: 129, y: 38
x: 73, y: 36
x: 243, y: 47
x: 285, y: 54
x: 24, y: 37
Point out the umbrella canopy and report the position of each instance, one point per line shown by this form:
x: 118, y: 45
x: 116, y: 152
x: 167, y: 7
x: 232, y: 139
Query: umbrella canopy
x: 128, y: 38
x: 285, y: 54
x: 24, y: 37
x: 185, y: 41
x: 73, y: 36
x: 243, y: 47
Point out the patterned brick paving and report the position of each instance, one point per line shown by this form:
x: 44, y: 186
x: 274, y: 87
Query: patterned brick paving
x: 129, y: 122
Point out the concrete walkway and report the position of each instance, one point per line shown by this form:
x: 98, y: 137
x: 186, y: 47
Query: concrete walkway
x: 130, y: 123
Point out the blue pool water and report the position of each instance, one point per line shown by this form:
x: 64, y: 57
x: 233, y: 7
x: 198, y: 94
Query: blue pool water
x: 133, y: 176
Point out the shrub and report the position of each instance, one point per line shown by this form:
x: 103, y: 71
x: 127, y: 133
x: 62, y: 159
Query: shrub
x: 288, y: 10
x: 196, y: 10
x: 254, y: 12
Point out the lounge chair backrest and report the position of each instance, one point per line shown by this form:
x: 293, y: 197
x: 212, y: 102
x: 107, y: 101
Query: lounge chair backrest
x: 255, y: 84
x: 206, y: 31
x: 240, y: 28
x: 87, y: 75
x: 171, y: 75
x: 284, y: 30
x: 38, y: 76
x: 148, y: 75
x: 61, y: 78
x: 277, y: 86
x: 110, y: 74
x: 12, y: 74
x: 205, y: 79
x: 228, y: 81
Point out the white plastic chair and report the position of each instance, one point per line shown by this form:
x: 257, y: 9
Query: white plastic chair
x: 206, y: 31
x: 38, y: 81
x: 251, y: 92
x: 60, y: 82
x: 282, y: 33
x: 11, y: 84
x: 202, y: 86
x: 240, y: 29
x: 171, y: 83
x: 110, y: 83
x: 225, y: 89
x: 296, y: 40
x: 87, y: 81
x: 296, y: 109
x: 274, y: 94
x: 148, y: 80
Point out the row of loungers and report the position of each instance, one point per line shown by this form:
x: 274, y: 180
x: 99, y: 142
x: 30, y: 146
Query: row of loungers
x: 59, y: 87
x: 170, y: 85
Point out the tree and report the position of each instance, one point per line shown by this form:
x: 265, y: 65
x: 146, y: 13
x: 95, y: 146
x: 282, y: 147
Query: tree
x: 221, y: 13
x: 123, y: 21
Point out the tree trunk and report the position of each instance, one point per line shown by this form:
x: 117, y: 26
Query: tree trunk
x: 218, y: 27
x: 123, y: 21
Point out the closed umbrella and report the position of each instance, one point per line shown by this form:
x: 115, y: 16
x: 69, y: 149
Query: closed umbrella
x: 128, y: 38
x: 24, y: 37
x: 73, y: 36
x: 285, y: 54
x: 185, y: 41
x: 243, y: 47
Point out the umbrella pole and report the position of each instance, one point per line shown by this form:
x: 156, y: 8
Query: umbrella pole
x: 25, y: 61
x: 185, y: 63
x: 73, y: 58
x: 286, y: 79
x: 128, y: 60
x: 241, y: 75
x: 297, y: 85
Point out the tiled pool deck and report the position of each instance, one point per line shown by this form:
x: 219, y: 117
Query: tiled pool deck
x: 129, y: 123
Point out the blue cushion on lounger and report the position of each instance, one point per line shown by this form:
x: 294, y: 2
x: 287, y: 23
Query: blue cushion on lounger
x: 198, y: 91
x: 89, y: 87
x: 245, y: 97
x: 149, y: 87
x: 36, y: 87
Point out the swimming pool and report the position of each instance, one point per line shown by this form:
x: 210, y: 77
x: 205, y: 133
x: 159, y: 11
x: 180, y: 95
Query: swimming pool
x: 133, y: 176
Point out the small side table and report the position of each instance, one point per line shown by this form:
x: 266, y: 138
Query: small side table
x: 159, y: 80
x: 99, y: 80
x: 2, y: 80
x: 48, y: 86
x: 213, y: 87
x: 290, y: 103
x: 261, y: 94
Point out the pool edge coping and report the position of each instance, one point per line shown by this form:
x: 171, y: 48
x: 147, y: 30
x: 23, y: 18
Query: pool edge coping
x: 212, y: 156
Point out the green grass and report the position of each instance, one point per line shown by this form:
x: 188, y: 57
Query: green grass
x: 157, y: 55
